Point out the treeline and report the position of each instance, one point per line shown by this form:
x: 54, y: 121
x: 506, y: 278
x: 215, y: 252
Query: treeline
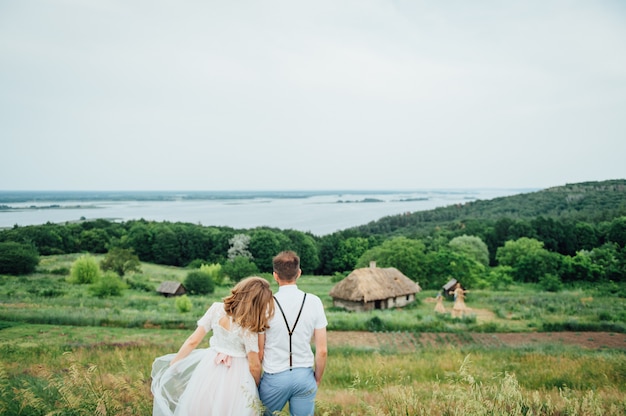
x: 565, y: 234
x: 588, y: 202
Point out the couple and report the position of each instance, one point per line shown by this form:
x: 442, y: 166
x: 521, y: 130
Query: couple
x: 251, y: 330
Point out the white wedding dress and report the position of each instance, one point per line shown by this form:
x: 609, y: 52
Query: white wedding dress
x: 207, y: 382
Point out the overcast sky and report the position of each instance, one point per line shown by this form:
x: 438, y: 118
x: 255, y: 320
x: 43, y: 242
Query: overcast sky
x: 324, y: 94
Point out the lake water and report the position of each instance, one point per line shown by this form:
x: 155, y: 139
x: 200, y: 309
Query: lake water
x: 319, y: 212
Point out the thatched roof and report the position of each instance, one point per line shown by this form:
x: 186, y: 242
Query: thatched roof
x: 169, y: 287
x: 374, y: 283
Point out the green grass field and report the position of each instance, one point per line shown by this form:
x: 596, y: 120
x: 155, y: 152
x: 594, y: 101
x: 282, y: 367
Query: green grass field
x: 65, y: 352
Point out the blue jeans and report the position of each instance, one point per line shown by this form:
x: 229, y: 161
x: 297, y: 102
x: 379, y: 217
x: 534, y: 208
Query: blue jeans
x: 298, y: 387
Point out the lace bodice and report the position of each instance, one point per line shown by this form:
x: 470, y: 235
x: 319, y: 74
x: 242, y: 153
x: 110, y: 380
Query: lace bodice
x: 236, y: 341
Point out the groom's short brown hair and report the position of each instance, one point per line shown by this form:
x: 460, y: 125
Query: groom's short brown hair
x: 287, y: 265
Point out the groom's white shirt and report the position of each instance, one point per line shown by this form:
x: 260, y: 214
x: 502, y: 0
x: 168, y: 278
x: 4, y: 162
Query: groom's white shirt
x: 276, y: 352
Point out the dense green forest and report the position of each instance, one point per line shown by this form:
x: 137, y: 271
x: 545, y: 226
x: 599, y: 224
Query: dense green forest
x: 568, y: 234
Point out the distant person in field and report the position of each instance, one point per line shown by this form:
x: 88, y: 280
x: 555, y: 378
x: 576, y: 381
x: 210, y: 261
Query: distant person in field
x: 459, y: 308
x: 439, y: 308
x: 291, y: 372
x: 221, y: 380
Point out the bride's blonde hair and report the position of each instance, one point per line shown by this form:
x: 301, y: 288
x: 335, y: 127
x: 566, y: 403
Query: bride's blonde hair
x: 250, y: 304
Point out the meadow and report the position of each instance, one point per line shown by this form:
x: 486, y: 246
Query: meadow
x: 65, y: 352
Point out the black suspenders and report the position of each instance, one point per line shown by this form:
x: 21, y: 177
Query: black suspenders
x: 290, y: 330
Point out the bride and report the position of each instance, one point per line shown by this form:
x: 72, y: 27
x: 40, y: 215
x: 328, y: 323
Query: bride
x: 222, y: 379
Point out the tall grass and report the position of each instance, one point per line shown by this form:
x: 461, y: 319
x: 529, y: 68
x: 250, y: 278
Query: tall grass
x: 111, y: 376
x: 433, y: 386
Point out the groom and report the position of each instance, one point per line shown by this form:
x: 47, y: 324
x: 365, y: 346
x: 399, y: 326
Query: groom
x: 291, y: 372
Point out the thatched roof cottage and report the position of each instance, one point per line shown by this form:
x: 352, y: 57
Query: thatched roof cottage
x: 374, y: 288
x: 171, y: 288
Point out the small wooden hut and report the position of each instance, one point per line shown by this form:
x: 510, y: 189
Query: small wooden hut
x: 449, y: 287
x: 374, y: 288
x: 171, y: 288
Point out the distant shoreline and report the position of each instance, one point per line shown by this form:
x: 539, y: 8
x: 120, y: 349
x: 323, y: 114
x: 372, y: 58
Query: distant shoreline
x: 7, y: 197
x: 53, y: 206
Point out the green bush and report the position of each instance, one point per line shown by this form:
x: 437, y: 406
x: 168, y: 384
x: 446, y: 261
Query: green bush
x: 239, y: 268
x: 550, y: 283
x: 196, y: 263
x: 85, y: 270
x: 215, y: 271
x: 110, y: 284
x: 18, y: 259
x: 183, y: 304
x: 338, y: 277
x: 199, y: 283
x: 375, y: 324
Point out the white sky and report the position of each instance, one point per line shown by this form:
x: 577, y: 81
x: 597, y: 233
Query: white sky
x: 324, y: 94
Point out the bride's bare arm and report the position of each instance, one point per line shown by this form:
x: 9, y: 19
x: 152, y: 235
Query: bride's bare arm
x: 261, y: 346
x: 190, y: 344
x: 255, y: 366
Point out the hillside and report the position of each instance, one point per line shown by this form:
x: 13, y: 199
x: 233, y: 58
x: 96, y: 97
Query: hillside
x: 591, y: 202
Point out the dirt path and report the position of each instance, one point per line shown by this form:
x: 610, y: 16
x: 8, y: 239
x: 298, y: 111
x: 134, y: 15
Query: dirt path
x: 405, y: 341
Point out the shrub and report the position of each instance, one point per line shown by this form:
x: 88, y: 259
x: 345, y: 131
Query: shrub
x: 375, y: 324
x: 195, y: 264
x: 199, y: 283
x: 550, y: 283
x: 183, y: 304
x: 84, y: 270
x: 239, y: 267
x: 17, y: 259
x: 215, y: 271
x: 110, y: 284
x: 337, y: 277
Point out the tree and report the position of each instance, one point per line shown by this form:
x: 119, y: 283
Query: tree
x: 327, y: 249
x: 84, y: 270
x: 472, y: 246
x: 557, y: 236
x: 239, y: 247
x: 263, y: 245
x: 612, y: 261
x: 617, y: 231
x: 140, y: 238
x: 239, y: 268
x: 586, y: 236
x: 528, y: 259
x: 121, y: 261
x: 581, y: 267
x: 348, y: 253
x: 17, y: 258
x: 94, y: 240
x: 199, y: 283
x: 304, y: 244
x: 444, y: 264
x: 402, y: 253
x: 166, y: 249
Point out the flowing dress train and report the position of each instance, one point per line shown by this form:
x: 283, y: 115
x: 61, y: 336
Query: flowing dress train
x: 213, y: 381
